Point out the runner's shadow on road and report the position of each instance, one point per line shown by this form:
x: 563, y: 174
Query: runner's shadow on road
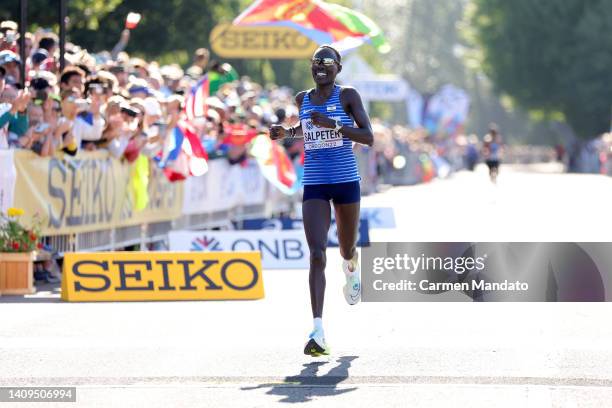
x: 305, y: 385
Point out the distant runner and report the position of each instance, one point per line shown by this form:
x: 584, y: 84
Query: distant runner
x: 491, y: 151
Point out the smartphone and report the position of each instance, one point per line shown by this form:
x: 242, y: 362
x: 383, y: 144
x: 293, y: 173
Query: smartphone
x: 41, y: 127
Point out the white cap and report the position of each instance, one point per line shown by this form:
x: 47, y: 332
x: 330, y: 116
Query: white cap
x: 152, y: 107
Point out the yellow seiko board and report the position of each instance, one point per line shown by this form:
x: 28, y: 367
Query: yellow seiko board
x: 230, y: 41
x: 127, y: 276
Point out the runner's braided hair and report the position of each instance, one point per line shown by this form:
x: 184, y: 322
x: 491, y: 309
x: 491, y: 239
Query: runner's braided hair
x: 335, y: 51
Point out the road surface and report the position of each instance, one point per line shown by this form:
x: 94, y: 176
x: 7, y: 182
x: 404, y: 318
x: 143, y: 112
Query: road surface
x: 248, y: 353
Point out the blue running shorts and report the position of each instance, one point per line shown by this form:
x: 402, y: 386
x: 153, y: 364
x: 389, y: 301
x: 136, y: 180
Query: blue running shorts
x: 339, y: 193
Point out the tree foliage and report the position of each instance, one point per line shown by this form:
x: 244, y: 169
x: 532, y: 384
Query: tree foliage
x: 84, y: 14
x: 170, y: 30
x: 552, y: 56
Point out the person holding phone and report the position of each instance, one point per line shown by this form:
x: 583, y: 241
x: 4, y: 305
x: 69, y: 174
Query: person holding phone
x: 332, y: 118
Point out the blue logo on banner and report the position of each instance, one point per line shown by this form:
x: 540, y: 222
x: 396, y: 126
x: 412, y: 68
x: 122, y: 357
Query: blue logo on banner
x: 363, y: 239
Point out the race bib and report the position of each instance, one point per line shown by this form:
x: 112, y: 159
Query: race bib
x: 320, y: 138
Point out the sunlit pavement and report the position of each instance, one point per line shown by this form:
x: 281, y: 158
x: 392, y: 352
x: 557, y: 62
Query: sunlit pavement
x: 248, y: 353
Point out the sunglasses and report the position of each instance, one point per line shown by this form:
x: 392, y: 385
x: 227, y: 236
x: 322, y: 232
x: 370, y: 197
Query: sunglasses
x: 325, y: 61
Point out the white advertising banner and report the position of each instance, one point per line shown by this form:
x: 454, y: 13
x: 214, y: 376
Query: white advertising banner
x: 386, y: 88
x: 223, y: 187
x: 8, y: 177
x: 379, y: 217
x: 286, y: 249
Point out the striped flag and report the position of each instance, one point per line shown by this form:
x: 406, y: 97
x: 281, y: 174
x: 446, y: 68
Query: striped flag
x: 183, y: 154
x: 318, y: 20
x: 195, y: 103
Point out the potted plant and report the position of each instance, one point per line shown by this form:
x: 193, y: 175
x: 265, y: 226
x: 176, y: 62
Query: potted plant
x: 17, y: 253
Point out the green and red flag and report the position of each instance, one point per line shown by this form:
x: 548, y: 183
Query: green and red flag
x: 322, y: 22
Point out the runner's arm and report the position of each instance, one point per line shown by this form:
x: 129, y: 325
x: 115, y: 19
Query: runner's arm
x: 299, y: 98
x: 363, y: 132
x: 279, y: 132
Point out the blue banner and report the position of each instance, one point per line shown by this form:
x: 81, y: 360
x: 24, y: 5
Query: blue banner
x: 363, y: 238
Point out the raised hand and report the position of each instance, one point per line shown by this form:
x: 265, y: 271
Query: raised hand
x: 277, y: 132
x: 21, y: 102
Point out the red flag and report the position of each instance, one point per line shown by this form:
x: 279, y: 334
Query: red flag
x: 195, y: 103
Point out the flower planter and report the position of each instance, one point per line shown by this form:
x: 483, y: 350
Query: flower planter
x: 16, y: 273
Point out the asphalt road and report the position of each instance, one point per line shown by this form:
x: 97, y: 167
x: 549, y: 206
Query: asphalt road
x: 248, y: 353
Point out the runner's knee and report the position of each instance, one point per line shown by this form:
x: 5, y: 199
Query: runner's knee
x: 318, y: 258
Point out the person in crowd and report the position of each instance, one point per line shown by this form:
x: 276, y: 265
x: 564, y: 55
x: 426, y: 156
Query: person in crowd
x: 492, y: 151
x: 471, y: 152
x: 10, y: 62
x: 13, y: 114
x: 73, y: 78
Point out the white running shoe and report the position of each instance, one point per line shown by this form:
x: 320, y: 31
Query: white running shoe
x: 316, y: 345
x: 352, y: 288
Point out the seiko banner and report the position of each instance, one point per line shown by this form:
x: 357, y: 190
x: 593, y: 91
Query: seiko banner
x: 125, y: 276
x: 90, y: 192
x: 277, y: 224
x: 260, y: 41
x: 279, y: 249
x: 487, y: 272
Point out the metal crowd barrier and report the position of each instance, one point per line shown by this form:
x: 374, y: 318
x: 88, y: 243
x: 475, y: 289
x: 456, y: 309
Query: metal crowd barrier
x: 157, y: 233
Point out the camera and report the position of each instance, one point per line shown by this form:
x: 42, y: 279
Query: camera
x: 10, y: 37
x: 96, y: 88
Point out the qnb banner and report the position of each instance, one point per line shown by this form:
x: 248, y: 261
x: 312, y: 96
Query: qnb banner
x: 484, y: 272
x: 285, y: 223
x: 128, y: 276
x: 279, y: 249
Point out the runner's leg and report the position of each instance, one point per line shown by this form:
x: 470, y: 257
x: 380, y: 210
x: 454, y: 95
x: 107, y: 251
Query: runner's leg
x: 347, y: 223
x: 316, y: 215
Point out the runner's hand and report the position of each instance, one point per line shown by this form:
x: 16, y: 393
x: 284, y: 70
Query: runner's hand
x: 321, y: 120
x: 277, y: 132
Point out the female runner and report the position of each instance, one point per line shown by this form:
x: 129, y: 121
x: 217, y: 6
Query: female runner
x: 332, y: 117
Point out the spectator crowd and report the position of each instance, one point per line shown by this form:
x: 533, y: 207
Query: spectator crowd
x: 124, y: 104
